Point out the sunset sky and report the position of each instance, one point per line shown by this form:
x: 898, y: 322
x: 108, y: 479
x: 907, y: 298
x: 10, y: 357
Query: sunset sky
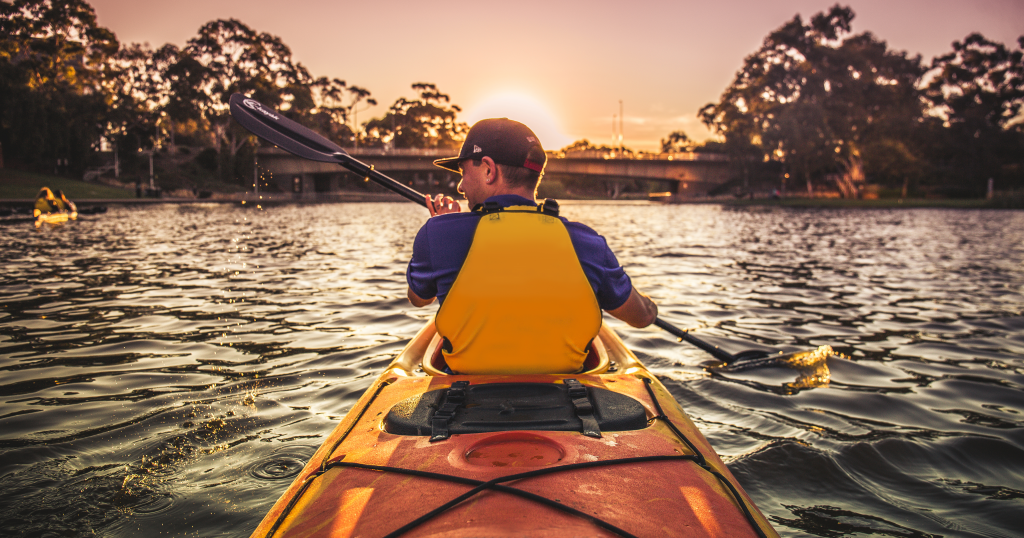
x: 561, y: 67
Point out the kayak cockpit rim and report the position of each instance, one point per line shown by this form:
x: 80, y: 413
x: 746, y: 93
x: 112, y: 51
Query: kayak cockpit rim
x: 421, y: 356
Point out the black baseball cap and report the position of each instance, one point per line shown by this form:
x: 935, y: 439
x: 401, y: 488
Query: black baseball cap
x: 506, y: 141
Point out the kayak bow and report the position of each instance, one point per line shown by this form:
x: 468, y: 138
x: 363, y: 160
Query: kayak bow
x: 606, y: 452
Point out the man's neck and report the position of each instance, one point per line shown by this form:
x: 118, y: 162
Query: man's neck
x: 523, y: 192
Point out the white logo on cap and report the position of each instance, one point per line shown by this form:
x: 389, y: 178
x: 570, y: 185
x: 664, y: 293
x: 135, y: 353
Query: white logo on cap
x: 476, y: 149
x: 531, y: 139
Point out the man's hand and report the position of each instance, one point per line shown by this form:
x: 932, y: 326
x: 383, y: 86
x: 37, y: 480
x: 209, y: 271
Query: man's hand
x: 441, y: 204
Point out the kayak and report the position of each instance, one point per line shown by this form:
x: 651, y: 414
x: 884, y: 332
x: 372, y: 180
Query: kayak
x: 55, y: 218
x: 605, y: 452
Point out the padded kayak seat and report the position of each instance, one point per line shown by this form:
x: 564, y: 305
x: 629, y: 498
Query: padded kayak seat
x: 496, y: 407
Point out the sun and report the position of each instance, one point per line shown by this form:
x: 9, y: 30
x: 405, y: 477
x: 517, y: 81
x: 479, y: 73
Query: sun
x: 525, y: 109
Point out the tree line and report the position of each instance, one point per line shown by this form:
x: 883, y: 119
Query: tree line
x: 816, y: 106
x: 819, y: 106
x: 68, y: 87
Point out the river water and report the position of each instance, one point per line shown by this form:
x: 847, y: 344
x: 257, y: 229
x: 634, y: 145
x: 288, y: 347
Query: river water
x: 167, y: 371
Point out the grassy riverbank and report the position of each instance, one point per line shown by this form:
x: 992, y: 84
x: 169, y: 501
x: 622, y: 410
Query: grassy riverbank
x: 15, y: 185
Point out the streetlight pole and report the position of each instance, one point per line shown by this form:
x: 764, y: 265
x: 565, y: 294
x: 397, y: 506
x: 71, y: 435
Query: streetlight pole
x: 355, y: 124
x: 621, y: 145
x: 615, y: 136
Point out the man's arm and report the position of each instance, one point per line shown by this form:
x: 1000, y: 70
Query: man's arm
x: 438, y: 205
x: 418, y: 301
x: 639, y: 310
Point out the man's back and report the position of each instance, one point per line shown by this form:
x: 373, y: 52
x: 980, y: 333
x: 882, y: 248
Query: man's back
x: 521, y: 302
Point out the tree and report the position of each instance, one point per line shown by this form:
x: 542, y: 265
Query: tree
x: 585, y: 145
x: 229, y: 57
x: 676, y: 142
x: 52, y: 58
x: 427, y: 122
x: 329, y: 111
x: 818, y: 100
x: 977, y: 90
x: 136, y: 91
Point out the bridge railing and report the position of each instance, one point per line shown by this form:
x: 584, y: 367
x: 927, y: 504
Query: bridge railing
x: 584, y: 154
x: 631, y: 156
x: 404, y: 152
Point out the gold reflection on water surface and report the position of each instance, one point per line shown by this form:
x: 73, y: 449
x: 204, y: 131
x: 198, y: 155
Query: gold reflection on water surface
x: 813, y: 368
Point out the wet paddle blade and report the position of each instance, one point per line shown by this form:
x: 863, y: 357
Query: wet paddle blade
x: 284, y: 133
x: 300, y: 141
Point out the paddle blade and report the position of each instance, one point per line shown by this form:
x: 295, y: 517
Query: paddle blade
x: 284, y: 133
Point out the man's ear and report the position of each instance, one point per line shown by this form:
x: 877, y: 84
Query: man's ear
x: 491, y: 173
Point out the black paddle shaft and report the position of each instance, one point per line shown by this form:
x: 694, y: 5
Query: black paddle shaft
x: 715, y: 351
x: 274, y: 127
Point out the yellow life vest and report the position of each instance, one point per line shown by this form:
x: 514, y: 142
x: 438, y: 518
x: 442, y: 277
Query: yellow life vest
x: 521, y: 303
x: 45, y: 205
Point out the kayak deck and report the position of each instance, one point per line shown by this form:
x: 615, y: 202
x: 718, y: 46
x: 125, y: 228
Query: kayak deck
x: 655, y: 477
x: 55, y: 218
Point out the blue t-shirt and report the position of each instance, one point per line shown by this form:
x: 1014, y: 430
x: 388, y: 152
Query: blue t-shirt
x: 442, y: 245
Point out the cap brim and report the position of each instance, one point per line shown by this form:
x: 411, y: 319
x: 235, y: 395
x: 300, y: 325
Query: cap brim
x: 451, y: 163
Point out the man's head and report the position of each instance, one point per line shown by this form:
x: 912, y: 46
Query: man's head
x: 511, y: 148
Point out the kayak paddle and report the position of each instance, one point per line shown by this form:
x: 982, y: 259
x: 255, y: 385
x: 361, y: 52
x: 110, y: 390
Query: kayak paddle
x: 746, y: 356
x: 272, y: 126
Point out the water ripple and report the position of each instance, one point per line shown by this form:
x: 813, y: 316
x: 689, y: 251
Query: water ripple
x: 174, y: 367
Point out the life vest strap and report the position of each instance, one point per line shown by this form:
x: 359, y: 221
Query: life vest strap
x: 548, y: 207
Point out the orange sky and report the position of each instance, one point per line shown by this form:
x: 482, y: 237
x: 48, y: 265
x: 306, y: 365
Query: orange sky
x: 572, y: 61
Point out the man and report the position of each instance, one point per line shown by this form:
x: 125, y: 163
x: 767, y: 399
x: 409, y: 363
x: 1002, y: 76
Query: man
x: 46, y: 203
x: 521, y: 289
x: 68, y: 204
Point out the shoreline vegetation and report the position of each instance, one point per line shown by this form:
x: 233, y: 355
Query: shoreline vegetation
x: 19, y: 188
x: 799, y: 117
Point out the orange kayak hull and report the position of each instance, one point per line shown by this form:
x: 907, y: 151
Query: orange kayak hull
x: 365, y: 481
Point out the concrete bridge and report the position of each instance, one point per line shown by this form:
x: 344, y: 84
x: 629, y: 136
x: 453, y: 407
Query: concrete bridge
x: 590, y: 173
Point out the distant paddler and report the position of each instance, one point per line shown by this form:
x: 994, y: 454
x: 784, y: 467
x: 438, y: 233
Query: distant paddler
x: 52, y: 209
x: 69, y: 206
x: 46, y: 203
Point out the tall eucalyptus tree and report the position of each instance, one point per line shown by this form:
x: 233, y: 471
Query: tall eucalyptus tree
x: 819, y: 100
x: 228, y: 57
x: 978, y: 91
x: 52, y: 61
x: 427, y: 122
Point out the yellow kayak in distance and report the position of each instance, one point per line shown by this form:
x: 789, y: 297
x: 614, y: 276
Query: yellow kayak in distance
x: 55, y: 218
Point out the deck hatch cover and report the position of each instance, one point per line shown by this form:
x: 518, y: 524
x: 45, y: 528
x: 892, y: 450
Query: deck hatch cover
x: 496, y: 407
